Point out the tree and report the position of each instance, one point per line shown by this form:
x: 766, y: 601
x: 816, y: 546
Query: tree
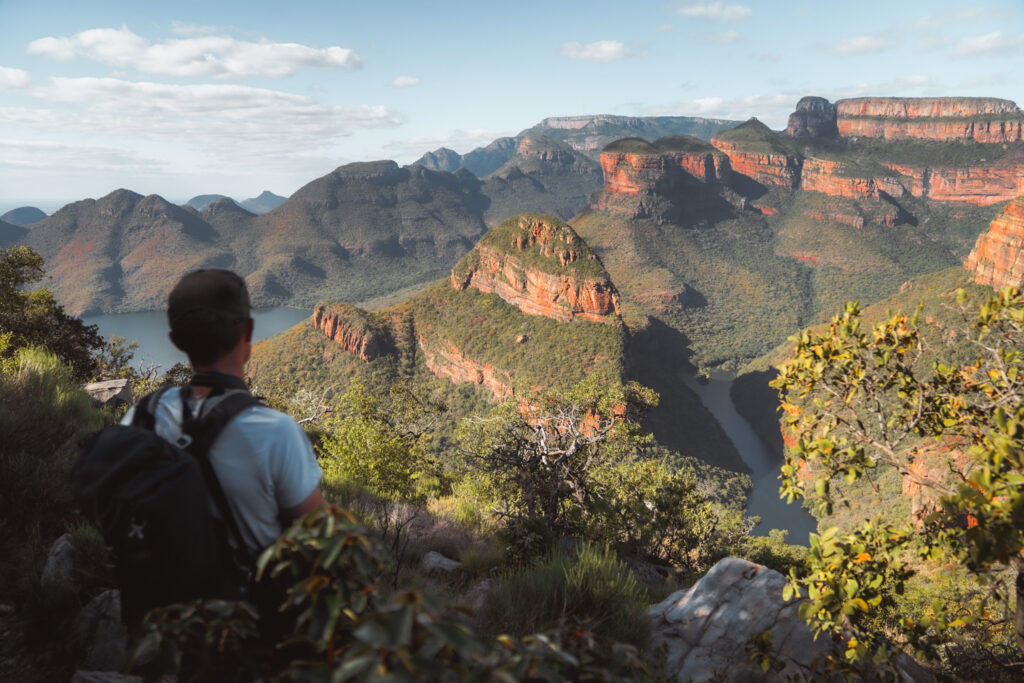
x: 857, y: 400
x: 34, y: 318
x: 541, y: 454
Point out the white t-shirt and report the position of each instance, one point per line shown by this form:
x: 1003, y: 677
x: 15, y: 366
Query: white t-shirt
x: 262, y: 458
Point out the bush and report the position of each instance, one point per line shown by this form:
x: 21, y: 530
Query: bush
x: 593, y: 588
x: 348, y: 629
x: 42, y: 412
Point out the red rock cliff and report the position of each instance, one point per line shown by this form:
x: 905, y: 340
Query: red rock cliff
x: 980, y: 119
x: 354, y: 329
x: 541, y: 266
x: 633, y: 172
x: 444, y: 359
x: 832, y: 178
x: 998, y: 255
x: 982, y: 185
x: 767, y: 168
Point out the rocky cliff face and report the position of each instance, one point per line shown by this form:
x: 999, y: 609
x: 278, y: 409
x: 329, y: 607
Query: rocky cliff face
x: 981, y: 185
x: 781, y: 170
x: 757, y: 152
x: 445, y: 360
x: 833, y: 178
x: 540, y: 265
x: 355, y: 330
x: 978, y: 119
x: 633, y: 166
x: 998, y: 256
x: 815, y: 117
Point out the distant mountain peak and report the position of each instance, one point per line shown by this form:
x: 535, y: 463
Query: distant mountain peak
x: 23, y: 215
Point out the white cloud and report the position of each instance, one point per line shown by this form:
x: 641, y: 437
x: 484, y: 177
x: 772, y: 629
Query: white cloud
x: 405, y: 82
x: 44, y: 156
x: 602, y: 51
x: 987, y: 43
x: 215, y: 56
x: 664, y: 28
x: 860, y: 45
x: 13, y: 78
x: 957, y: 16
x: 725, y: 37
x: 229, y: 120
x: 715, y: 11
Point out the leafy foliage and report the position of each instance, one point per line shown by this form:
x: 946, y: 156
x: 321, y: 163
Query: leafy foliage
x: 350, y: 630
x: 34, y: 318
x: 541, y: 457
x: 859, y: 399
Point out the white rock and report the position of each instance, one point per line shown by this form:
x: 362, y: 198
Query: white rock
x: 58, y: 577
x: 434, y: 563
x: 100, y: 635
x: 111, y: 392
x: 709, y: 629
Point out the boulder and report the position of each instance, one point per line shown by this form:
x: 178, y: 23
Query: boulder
x: 100, y: 635
x: 110, y: 393
x: 58, y: 577
x: 708, y: 629
x: 436, y: 564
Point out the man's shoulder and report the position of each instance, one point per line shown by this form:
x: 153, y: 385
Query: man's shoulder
x: 268, y: 421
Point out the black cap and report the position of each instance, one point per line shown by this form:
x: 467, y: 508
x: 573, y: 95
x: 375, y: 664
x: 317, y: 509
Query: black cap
x: 204, y: 294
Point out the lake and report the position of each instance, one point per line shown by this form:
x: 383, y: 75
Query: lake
x: 764, y: 499
x: 149, y: 329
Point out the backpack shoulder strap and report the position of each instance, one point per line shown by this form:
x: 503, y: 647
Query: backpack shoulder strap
x: 203, y: 433
x: 145, y: 409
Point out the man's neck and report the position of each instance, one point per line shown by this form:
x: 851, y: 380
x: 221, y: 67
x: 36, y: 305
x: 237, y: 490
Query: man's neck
x: 226, y: 365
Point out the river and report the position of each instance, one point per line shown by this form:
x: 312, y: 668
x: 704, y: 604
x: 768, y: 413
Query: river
x: 764, y: 499
x: 149, y: 329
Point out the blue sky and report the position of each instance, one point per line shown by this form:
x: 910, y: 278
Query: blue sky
x: 228, y: 97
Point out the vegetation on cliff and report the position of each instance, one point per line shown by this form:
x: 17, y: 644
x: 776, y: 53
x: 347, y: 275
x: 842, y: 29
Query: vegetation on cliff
x: 861, y: 400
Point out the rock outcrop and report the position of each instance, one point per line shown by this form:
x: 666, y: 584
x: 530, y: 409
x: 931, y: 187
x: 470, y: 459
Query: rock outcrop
x: 755, y: 151
x: 815, y: 117
x: 708, y: 629
x: 982, y: 184
x: 998, y: 256
x: 978, y: 119
x: 540, y: 265
x: 837, y: 179
x: 633, y: 166
x: 355, y: 330
x: 445, y: 360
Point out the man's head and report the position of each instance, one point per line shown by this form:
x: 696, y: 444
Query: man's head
x: 209, y: 314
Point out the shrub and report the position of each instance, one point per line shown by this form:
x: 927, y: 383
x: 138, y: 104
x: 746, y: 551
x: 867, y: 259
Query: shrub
x: 42, y: 412
x: 594, y: 588
x: 347, y: 629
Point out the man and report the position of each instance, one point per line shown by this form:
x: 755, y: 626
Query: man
x: 262, y: 458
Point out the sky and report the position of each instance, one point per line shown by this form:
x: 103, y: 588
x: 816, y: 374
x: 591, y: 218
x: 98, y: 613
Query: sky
x: 229, y: 97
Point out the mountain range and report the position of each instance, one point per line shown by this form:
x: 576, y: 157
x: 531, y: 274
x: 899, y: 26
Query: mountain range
x: 267, y: 201
x: 679, y: 252
x: 23, y: 215
x: 587, y: 135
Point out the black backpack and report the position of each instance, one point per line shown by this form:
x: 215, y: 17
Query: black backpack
x: 151, y: 499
